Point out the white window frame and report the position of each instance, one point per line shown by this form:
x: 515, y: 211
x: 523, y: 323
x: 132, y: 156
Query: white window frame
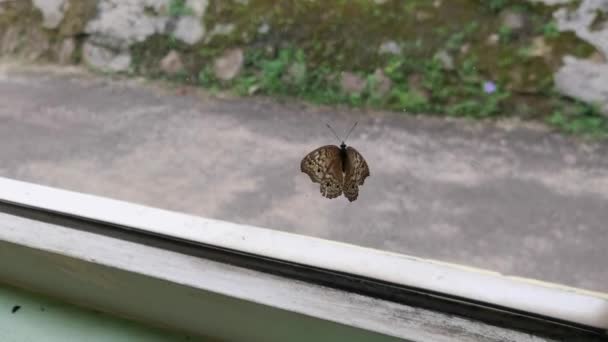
x: 144, y: 263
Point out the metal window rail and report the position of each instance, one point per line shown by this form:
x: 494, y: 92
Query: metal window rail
x: 129, y: 259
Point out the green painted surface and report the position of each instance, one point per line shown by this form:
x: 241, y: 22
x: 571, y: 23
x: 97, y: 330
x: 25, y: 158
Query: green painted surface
x: 29, y: 317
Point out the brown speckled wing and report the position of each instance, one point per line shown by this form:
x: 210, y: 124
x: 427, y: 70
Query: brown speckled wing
x: 356, y: 170
x: 324, y: 166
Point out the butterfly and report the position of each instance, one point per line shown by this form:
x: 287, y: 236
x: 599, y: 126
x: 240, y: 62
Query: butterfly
x: 338, y: 169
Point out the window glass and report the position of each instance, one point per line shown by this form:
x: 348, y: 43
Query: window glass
x: 479, y: 137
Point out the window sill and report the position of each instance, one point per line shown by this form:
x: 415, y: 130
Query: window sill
x: 228, y: 281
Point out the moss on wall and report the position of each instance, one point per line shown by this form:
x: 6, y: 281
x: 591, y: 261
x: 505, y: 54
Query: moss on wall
x: 458, y: 57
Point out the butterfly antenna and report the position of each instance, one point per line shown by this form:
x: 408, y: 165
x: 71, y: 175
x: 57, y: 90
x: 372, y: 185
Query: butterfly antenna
x: 334, y: 132
x: 351, y: 130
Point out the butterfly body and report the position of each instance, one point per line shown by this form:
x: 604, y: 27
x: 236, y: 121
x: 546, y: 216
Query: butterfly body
x: 343, y: 156
x: 339, y: 170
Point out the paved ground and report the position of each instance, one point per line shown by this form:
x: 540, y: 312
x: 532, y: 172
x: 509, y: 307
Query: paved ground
x: 515, y: 199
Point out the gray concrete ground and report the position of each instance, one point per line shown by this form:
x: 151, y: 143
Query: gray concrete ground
x: 507, y: 197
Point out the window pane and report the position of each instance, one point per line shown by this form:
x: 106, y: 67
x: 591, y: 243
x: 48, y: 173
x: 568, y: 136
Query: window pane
x: 209, y: 107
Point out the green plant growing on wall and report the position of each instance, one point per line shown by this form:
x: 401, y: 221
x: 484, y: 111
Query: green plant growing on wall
x: 550, y: 30
x: 580, y: 118
x: 476, y: 97
x: 206, y: 78
x: 436, y: 80
x: 505, y: 34
x: 178, y: 8
x: 496, y: 5
x: 457, y: 39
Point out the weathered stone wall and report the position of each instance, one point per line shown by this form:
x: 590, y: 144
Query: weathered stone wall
x: 585, y: 79
x: 457, y: 56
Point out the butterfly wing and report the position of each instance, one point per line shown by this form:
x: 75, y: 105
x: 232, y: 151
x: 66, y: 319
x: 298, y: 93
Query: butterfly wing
x: 324, y: 166
x: 355, y: 172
